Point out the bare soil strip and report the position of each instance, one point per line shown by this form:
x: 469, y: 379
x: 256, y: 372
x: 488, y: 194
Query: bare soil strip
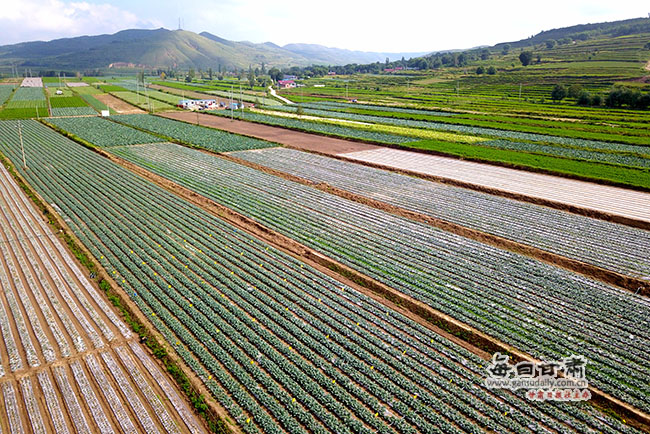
x: 120, y: 106
x: 188, y: 93
x: 626, y: 282
x: 604, y: 202
x: 43, y: 271
x: 471, y: 338
x: 311, y: 142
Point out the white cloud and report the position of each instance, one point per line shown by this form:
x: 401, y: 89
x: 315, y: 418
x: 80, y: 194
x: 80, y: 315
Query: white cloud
x: 389, y: 25
x: 369, y: 25
x: 29, y: 20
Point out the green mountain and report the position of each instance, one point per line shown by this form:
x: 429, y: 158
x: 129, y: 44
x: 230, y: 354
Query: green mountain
x: 162, y: 48
x: 582, y: 32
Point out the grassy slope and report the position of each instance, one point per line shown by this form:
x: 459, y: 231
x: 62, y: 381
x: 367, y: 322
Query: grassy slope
x: 595, y: 64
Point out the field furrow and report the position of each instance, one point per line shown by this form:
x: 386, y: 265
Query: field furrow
x: 475, y: 283
x: 283, y: 347
x: 607, y: 245
x: 50, y: 315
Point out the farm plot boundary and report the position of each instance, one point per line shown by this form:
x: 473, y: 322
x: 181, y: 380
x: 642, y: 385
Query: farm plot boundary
x: 185, y: 381
x: 479, y: 342
x: 591, y: 270
x: 337, y: 148
x: 626, y: 282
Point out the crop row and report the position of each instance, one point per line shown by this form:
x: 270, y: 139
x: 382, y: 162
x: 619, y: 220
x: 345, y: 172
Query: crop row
x: 29, y: 94
x: 102, y: 132
x: 73, y: 111
x: 316, y: 127
x: 60, y: 302
x: 281, y: 346
x: 573, y: 153
x: 608, y: 245
x: 208, y: 138
x: 592, y: 145
x: 331, y: 105
x: 5, y: 93
x: 119, y: 383
x: 543, y: 310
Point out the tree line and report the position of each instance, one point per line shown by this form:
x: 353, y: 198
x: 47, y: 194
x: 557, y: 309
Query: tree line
x: 617, y: 97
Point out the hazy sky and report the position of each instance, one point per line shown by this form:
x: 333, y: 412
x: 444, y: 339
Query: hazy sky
x: 368, y: 25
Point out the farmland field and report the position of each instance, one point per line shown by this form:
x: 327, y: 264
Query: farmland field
x: 441, y: 269
x: 73, y: 111
x: 207, y: 138
x: 282, y: 347
x: 103, y: 132
x: 25, y: 102
x: 68, y: 363
x: 23, y: 113
x: 455, y: 242
x: 94, y: 102
x: 613, y: 162
x: 66, y: 101
x: 317, y: 127
x: 5, y: 92
x: 608, y: 245
x: 29, y: 94
x: 559, y: 141
x: 219, y: 91
x: 141, y: 101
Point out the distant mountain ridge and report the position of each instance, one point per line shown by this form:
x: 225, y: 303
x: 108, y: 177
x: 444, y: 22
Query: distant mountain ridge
x: 162, y: 48
x: 328, y: 55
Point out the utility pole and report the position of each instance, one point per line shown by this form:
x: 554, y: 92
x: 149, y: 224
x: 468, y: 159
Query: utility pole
x: 346, y: 91
x: 22, y: 147
x: 520, y: 91
x: 232, y: 114
x: 241, y: 101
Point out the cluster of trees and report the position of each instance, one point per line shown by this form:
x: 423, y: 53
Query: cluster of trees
x: 433, y: 61
x: 490, y: 70
x: 552, y: 43
x: 621, y: 96
x: 618, y: 96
